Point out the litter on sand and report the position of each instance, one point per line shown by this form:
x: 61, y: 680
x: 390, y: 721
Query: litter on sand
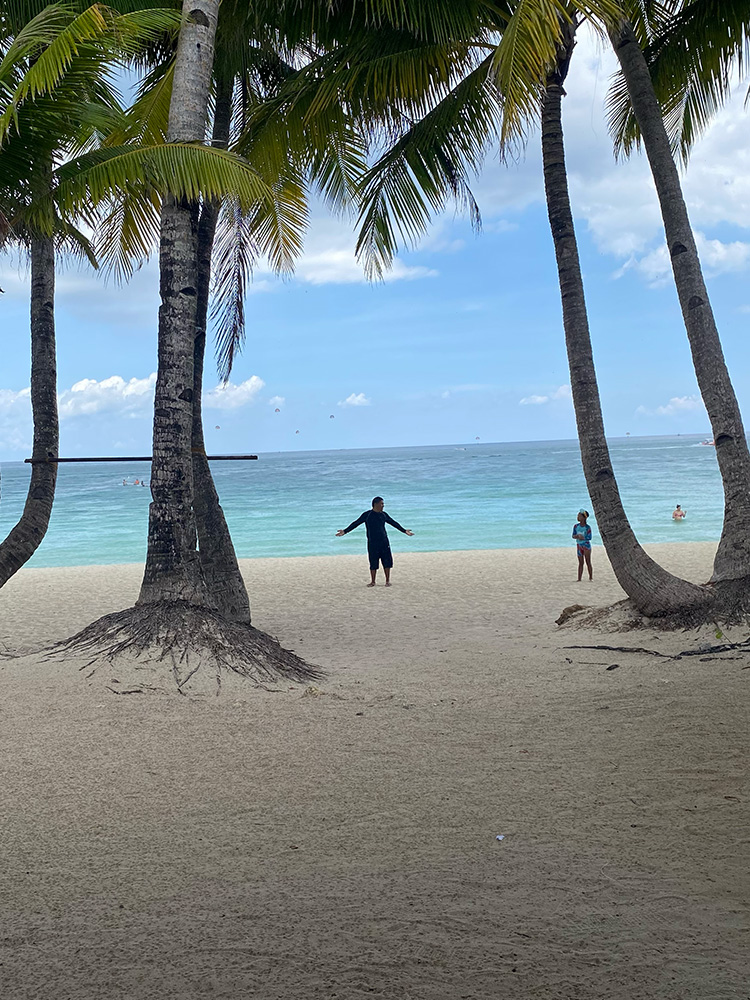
x: 500, y: 836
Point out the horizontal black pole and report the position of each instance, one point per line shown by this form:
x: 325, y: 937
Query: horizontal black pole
x: 133, y: 458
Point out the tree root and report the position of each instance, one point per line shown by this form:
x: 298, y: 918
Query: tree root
x: 705, y: 651
x: 727, y: 604
x: 625, y: 649
x: 168, y: 645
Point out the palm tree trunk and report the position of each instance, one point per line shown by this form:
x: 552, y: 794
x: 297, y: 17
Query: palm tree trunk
x: 733, y: 555
x: 215, y: 549
x: 651, y: 588
x: 25, y: 537
x: 173, y: 570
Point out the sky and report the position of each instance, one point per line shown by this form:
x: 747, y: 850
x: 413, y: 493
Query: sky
x: 463, y: 341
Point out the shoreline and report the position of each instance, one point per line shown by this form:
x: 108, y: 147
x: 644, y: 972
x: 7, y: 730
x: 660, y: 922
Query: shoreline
x: 399, y: 554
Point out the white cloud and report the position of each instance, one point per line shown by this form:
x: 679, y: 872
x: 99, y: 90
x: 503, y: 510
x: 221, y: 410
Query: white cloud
x: 276, y: 401
x: 15, y: 420
x: 617, y: 200
x: 716, y: 258
x: 468, y: 387
x: 94, y: 407
x: 10, y: 399
x: 675, y: 406
x: 562, y: 392
x: 230, y: 396
x: 500, y: 226
x: 329, y: 258
x: 340, y: 267
x: 114, y: 395
x: 355, y: 399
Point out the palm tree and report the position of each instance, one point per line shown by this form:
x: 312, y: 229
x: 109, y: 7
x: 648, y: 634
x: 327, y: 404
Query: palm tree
x: 653, y: 590
x: 173, y: 571
x: 693, y: 50
x: 180, y: 515
x: 54, y: 72
x: 175, y: 616
x: 732, y: 560
x: 32, y: 54
x: 248, y: 65
x: 439, y: 102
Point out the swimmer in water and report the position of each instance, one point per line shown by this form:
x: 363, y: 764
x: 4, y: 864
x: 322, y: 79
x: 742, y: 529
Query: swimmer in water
x: 678, y: 513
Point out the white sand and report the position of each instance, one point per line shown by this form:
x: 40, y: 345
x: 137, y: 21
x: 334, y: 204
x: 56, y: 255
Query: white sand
x: 341, y: 843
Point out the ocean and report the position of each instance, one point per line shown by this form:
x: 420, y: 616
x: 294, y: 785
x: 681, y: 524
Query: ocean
x: 477, y: 496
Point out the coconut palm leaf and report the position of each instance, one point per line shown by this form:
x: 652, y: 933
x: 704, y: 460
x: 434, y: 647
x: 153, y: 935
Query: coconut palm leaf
x: 321, y: 24
x: 70, y: 240
x: 48, y: 69
x: 527, y: 51
x: 426, y: 167
x: 20, y: 40
x: 148, y: 116
x: 81, y: 48
x: 127, y: 233
x: 185, y: 170
x: 694, y: 54
x: 235, y: 256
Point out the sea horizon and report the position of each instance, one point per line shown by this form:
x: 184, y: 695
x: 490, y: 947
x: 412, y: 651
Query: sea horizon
x: 477, y: 495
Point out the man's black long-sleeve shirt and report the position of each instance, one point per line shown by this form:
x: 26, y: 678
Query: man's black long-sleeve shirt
x: 375, y: 522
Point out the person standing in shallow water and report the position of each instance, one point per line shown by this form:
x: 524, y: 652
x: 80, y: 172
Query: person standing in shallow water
x: 378, y: 546
x: 582, y: 535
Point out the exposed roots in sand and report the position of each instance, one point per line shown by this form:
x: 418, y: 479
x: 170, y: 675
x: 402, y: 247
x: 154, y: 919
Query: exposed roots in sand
x: 727, y: 604
x: 704, y: 651
x: 174, y: 645
x: 625, y: 617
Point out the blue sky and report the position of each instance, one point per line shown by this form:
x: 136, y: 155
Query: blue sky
x: 463, y: 341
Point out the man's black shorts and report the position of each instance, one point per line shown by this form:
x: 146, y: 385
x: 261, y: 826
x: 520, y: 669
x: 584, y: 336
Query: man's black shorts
x: 382, y: 554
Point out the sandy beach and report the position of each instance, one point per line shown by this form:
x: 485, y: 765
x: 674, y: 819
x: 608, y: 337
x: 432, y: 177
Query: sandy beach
x: 340, y: 840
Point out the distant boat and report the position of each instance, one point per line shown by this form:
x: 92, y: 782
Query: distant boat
x: 711, y: 444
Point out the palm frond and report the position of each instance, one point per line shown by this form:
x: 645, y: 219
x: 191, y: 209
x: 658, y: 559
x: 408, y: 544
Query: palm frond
x: 128, y: 233
x: 235, y: 256
x: 693, y: 59
x: 48, y: 69
x: 322, y: 23
x: 147, y: 118
x: 193, y: 172
x: 70, y: 240
x: 184, y: 170
x: 31, y: 36
x: 429, y: 165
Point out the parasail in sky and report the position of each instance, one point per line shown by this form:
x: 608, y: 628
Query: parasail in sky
x: 332, y: 417
x: 277, y: 410
x: 217, y: 428
x: 476, y: 438
x: 296, y: 432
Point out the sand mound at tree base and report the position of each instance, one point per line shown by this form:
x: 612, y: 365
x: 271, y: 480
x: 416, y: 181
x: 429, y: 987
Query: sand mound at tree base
x: 174, y: 646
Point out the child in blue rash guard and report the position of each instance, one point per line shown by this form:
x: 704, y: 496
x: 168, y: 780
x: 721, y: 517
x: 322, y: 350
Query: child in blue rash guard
x: 378, y: 546
x: 582, y: 535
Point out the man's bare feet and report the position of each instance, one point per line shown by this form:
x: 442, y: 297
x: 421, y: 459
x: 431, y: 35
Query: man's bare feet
x: 388, y: 584
x: 371, y: 584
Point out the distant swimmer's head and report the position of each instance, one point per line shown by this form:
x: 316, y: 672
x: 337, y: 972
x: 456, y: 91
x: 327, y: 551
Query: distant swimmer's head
x: 677, y: 507
x: 377, y: 503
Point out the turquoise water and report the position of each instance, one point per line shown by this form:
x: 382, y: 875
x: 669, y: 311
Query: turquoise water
x: 482, y: 496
